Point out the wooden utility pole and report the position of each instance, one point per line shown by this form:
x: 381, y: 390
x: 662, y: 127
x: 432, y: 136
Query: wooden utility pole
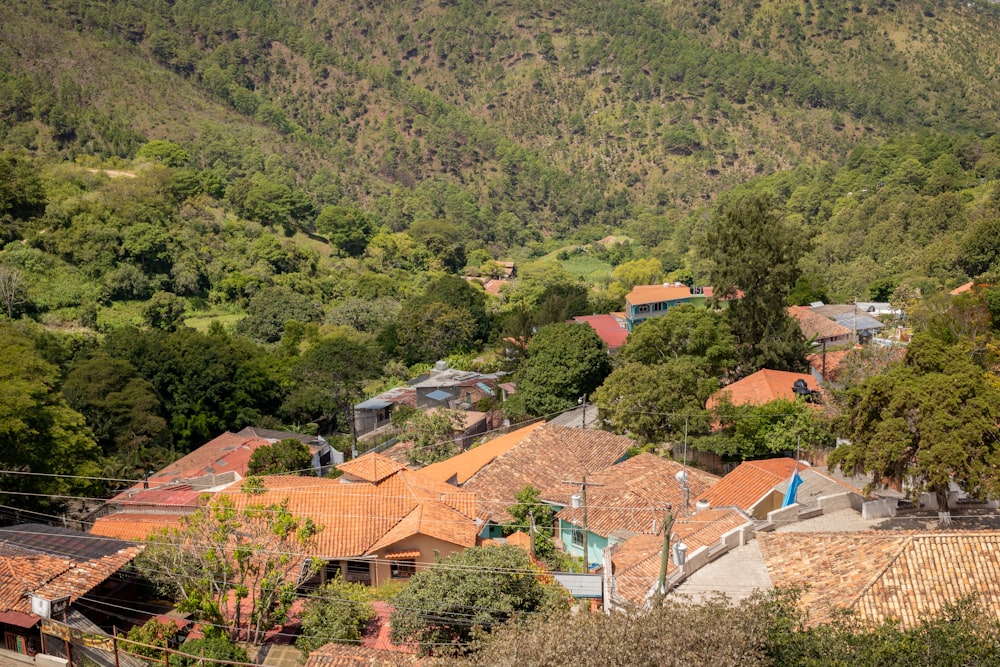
x: 583, y: 495
x: 668, y: 523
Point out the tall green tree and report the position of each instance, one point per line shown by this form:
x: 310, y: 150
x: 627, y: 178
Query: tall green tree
x: 466, y: 595
x: 283, y: 457
x: 565, y: 361
x: 40, y: 433
x: 655, y: 403
x: 347, y: 229
x: 750, y: 250
x: 328, y: 379
x: 699, y: 336
x: 233, y: 551
x: 756, y: 431
x: 928, y: 422
x: 433, y: 435
x: 121, y: 408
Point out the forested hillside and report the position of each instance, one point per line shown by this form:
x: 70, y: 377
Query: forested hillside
x: 210, y: 200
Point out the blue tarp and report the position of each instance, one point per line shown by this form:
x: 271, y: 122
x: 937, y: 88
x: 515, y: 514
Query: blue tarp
x: 793, y: 486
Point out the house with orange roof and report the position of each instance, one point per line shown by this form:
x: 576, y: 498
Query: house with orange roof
x: 541, y: 455
x: 625, y: 499
x: 41, y: 569
x: 631, y: 568
x: 645, y: 301
x: 757, y: 488
x: 379, y: 521
x: 765, y: 386
x: 819, y: 329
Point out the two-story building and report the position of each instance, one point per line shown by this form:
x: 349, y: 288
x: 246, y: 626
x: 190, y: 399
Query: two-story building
x: 646, y: 301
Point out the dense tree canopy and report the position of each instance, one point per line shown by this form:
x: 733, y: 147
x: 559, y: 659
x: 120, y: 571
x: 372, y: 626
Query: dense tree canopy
x: 467, y: 594
x: 754, y: 254
x: 929, y: 421
x: 565, y: 361
x: 654, y: 403
x: 40, y: 432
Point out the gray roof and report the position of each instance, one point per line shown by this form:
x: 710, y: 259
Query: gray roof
x: 373, y: 404
x: 858, y: 322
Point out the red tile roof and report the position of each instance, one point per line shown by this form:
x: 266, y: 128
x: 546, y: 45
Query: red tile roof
x: 609, y: 328
x: 632, y: 495
x: 134, y: 527
x: 834, y: 359
x: 229, y: 452
x: 749, y: 482
x: 371, y: 468
x: 762, y: 387
x: 961, y: 289
x: 886, y: 575
x: 656, y: 293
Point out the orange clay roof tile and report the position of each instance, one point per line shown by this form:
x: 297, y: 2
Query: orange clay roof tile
x: 637, y: 561
x: 905, y: 576
x: 762, y: 387
x: 358, y: 518
x: 544, y: 458
x: 371, y: 468
x: 748, y: 483
x: 655, y: 293
x: 463, y: 466
x: 631, y: 495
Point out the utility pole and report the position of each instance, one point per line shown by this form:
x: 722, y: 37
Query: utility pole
x: 668, y: 523
x: 578, y: 502
x: 531, y: 531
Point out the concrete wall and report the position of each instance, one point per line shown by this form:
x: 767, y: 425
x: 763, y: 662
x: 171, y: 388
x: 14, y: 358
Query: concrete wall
x: 784, y: 515
x: 839, y: 501
x: 878, y: 509
x: 40, y: 660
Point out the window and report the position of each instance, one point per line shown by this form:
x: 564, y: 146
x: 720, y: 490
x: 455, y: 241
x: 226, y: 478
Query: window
x: 642, y: 309
x: 403, y: 569
x: 577, y: 537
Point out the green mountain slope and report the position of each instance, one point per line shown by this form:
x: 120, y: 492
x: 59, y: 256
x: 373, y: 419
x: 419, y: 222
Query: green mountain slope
x: 561, y: 113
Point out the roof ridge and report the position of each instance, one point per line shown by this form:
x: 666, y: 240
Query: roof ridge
x: 882, y: 570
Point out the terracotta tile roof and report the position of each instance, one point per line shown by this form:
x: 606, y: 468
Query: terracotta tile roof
x: 371, y: 468
x: 749, y: 482
x: 544, y: 458
x: 762, y: 387
x: 377, y: 634
x: 360, y: 518
x: 463, y: 466
x: 834, y: 360
x: 608, y: 327
x: 134, y: 527
x: 636, y: 563
x: 903, y: 576
x: 229, y: 452
x: 815, y: 326
x: 633, y: 495
x: 53, y: 577
x: 656, y: 293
